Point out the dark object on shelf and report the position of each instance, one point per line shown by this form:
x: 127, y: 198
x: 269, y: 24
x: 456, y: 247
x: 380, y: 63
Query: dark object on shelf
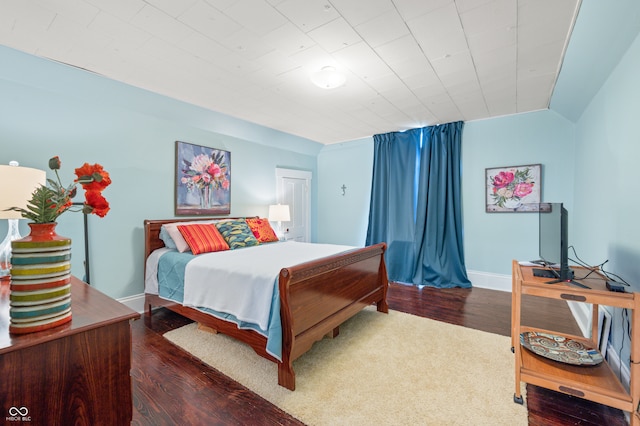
x: 614, y: 286
x: 544, y: 273
x: 555, y: 276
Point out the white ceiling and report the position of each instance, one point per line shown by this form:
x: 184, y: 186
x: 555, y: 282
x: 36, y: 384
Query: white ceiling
x: 409, y: 63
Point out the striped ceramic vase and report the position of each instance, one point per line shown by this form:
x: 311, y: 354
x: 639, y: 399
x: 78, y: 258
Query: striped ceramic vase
x: 40, y: 291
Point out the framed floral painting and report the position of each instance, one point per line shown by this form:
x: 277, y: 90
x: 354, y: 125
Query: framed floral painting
x: 203, y: 180
x: 513, y: 189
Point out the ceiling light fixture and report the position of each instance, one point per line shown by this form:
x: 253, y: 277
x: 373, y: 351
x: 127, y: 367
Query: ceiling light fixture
x: 328, y: 78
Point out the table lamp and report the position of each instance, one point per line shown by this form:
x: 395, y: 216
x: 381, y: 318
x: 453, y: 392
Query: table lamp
x: 279, y: 213
x: 16, y: 186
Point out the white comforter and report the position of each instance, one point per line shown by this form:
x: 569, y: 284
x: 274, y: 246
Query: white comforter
x: 222, y: 280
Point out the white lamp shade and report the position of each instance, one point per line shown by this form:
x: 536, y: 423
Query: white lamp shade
x: 279, y: 213
x: 16, y: 186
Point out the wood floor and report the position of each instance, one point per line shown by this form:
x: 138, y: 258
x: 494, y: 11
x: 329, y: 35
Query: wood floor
x: 171, y: 387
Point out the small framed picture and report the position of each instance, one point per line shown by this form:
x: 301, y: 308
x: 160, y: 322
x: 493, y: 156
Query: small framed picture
x: 203, y: 180
x: 513, y: 189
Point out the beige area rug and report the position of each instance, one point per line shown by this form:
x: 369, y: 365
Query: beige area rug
x: 395, y: 369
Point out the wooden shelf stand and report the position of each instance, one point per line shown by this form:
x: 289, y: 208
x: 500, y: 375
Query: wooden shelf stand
x: 596, y: 383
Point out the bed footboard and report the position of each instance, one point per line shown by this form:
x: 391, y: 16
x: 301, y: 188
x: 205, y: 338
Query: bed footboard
x: 318, y: 296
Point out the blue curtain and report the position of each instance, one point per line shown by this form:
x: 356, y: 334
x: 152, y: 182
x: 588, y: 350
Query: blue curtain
x: 416, y: 205
x: 439, y: 210
x: 393, y: 195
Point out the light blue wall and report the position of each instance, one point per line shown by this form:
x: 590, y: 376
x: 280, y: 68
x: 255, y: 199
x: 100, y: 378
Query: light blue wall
x: 343, y: 219
x: 491, y: 240
x: 607, y: 202
x: 49, y: 109
x: 601, y: 35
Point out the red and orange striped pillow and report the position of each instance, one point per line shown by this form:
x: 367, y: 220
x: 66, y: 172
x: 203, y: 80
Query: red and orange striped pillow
x: 203, y: 238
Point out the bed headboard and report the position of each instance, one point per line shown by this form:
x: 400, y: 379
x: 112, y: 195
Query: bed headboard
x: 152, y: 227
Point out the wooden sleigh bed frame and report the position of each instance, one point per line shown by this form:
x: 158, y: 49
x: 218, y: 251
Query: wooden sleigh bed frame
x: 315, y: 298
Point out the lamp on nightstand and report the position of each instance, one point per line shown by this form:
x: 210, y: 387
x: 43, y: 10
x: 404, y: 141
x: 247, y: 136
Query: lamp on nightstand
x: 279, y: 213
x: 16, y: 186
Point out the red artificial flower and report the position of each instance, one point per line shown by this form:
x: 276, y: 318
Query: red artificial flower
x: 50, y: 201
x: 92, y: 177
x: 97, y: 204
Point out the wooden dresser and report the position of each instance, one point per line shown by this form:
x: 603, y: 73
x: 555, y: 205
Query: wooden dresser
x: 77, y: 373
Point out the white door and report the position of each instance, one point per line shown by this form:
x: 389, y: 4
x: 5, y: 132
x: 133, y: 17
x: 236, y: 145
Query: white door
x: 294, y: 189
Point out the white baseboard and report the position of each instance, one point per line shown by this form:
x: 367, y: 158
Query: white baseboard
x: 135, y: 302
x: 490, y: 281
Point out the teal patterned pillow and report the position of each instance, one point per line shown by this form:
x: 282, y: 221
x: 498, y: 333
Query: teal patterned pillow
x: 237, y: 233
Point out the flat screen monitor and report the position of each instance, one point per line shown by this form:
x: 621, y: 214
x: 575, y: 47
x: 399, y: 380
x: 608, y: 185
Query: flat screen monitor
x: 554, y: 239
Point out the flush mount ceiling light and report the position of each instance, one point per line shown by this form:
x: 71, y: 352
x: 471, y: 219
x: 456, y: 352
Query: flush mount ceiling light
x: 328, y: 78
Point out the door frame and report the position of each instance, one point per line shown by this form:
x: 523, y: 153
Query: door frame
x: 281, y: 174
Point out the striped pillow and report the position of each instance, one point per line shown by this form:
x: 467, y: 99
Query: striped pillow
x: 203, y: 238
x: 172, y: 236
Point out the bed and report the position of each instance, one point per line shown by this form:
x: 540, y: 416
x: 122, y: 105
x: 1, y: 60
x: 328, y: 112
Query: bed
x: 314, y: 297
